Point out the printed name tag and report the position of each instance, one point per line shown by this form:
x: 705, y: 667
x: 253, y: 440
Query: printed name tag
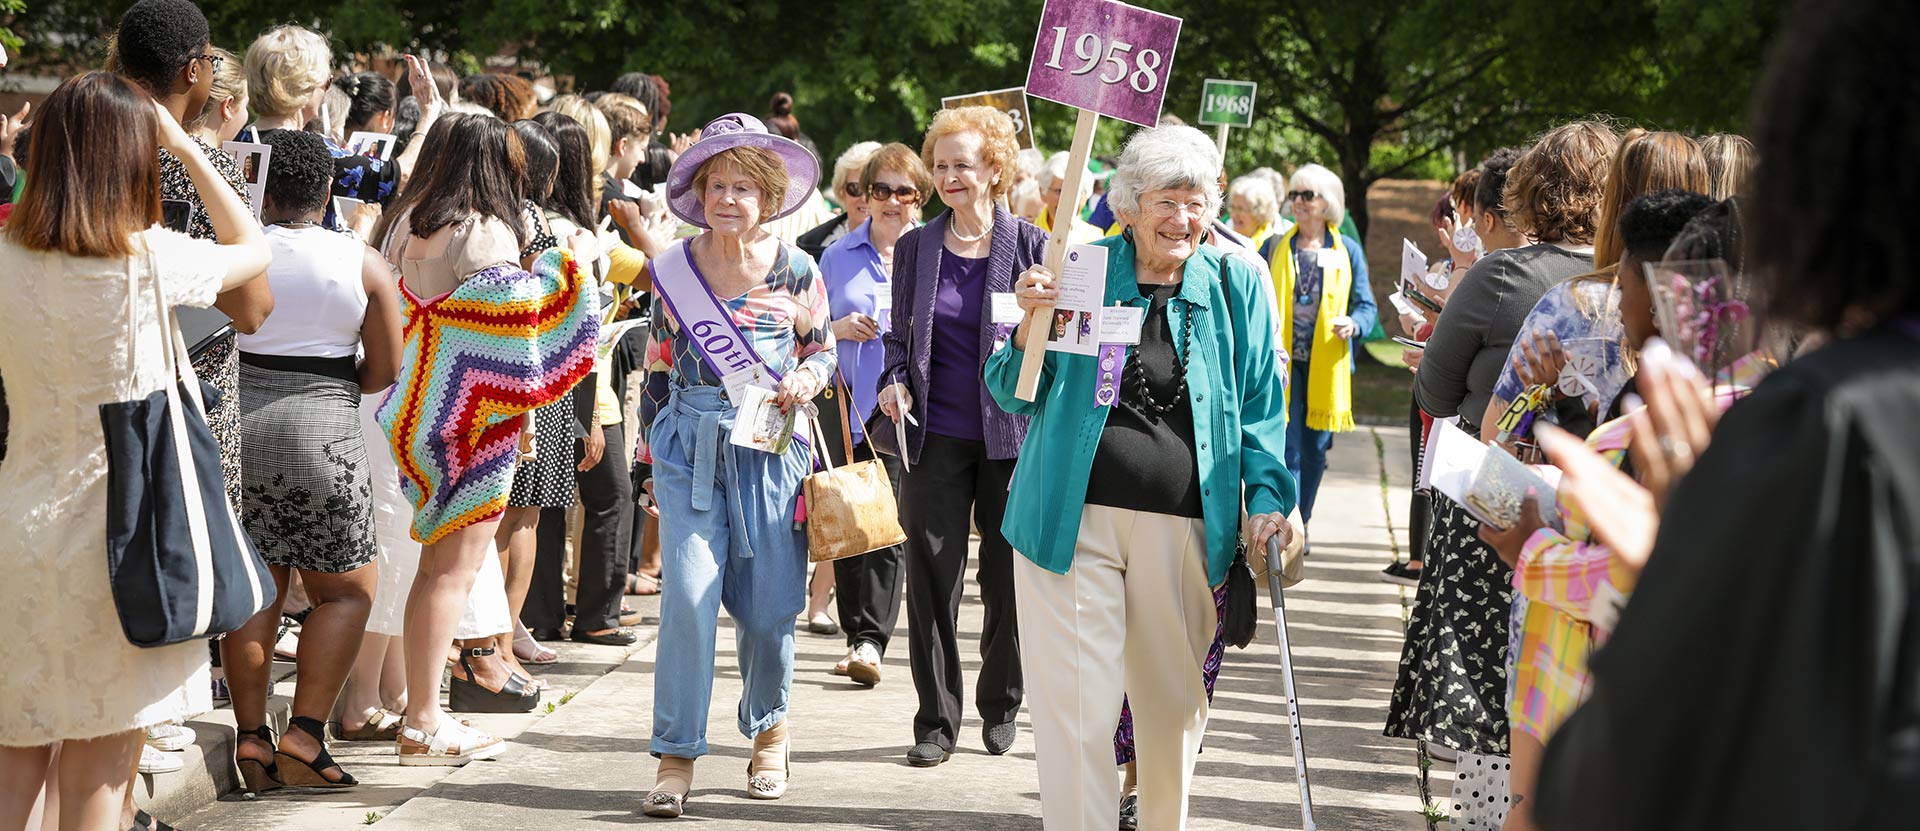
x: 753, y: 376
x: 1121, y: 324
x: 883, y: 308
x: 1331, y: 260
x: 1006, y: 308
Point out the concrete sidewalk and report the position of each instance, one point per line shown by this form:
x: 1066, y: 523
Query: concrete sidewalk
x: 586, y: 764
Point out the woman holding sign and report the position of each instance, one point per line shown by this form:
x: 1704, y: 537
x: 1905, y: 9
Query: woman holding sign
x: 1320, y: 278
x: 1122, y: 538
x: 960, y: 447
x: 740, y: 332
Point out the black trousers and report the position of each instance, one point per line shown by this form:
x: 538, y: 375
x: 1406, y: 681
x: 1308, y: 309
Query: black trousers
x: 953, y: 483
x: 1420, y: 511
x: 867, y: 587
x: 606, y: 500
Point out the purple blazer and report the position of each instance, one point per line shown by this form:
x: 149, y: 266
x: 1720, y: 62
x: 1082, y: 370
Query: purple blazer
x: 1017, y: 245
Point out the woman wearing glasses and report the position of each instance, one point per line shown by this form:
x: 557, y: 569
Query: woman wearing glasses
x: 846, y: 191
x: 1320, y: 279
x: 1127, y: 505
x: 959, y: 445
x: 859, y: 274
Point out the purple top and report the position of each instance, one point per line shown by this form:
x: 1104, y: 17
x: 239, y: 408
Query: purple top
x: 858, y: 282
x: 953, y: 404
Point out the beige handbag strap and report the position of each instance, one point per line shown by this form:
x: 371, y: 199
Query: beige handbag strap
x: 841, y: 392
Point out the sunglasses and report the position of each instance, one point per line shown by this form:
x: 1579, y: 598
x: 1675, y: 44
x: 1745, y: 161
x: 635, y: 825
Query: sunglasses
x: 851, y: 189
x: 881, y: 192
x: 213, y: 61
x: 1302, y: 194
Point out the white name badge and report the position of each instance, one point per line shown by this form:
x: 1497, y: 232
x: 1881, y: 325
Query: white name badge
x: 1332, y: 260
x: 753, y: 376
x: 883, y: 308
x: 1006, y: 309
x: 1121, y: 324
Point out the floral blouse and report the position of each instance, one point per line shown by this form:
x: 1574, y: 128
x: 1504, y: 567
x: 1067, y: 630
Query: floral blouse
x: 175, y: 185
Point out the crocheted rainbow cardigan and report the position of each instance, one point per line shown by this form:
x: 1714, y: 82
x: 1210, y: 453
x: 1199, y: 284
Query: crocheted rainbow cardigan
x: 504, y: 343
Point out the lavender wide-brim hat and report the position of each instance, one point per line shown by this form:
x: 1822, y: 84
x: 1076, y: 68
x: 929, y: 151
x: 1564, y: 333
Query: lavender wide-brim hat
x: 739, y: 130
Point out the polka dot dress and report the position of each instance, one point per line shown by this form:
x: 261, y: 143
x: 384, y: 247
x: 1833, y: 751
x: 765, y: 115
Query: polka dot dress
x: 1480, y: 792
x: 547, y: 480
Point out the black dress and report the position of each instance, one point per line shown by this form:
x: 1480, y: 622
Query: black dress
x: 1766, y: 672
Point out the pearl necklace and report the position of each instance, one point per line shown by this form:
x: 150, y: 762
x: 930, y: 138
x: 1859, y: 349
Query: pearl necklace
x: 954, y: 229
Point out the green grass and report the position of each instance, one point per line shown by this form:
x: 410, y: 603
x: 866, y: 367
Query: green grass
x: 569, y: 696
x: 372, y: 817
x: 1382, y: 391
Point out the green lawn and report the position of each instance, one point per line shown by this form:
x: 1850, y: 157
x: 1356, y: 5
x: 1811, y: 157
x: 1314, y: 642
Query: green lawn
x: 1383, y: 386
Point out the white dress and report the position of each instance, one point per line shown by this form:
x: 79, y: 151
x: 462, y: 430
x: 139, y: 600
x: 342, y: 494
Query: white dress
x: 73, y: 337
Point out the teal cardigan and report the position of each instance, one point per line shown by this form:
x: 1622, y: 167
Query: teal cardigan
x: 1233, y: 387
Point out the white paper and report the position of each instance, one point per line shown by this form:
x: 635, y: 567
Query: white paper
x: 1454, y: 459
x: 1121, y: 324
x: 1401, y: 305
x: 1423, y: 478
x: 1413, y: 264
x: 1082, y: 286
x: 1006, y: 309
x: 883, y: 308
x: 372, y: 145
x: 1333, y: 260
x: 759, y: 424
x: 738, y: 382
x: 253, y: 157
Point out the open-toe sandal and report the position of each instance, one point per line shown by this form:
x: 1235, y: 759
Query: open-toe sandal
x: 382, y: 726
x: 642, y: 584
x: 258, y: 776
x: 772, y: 763
x: 312, y: 773
x: 671, y: 786
x: 143, y: 821
x: 451, y: 745
x: 466, y: 695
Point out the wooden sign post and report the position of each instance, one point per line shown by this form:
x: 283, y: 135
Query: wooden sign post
x: 1225, y: 105
x: 1104, y: 58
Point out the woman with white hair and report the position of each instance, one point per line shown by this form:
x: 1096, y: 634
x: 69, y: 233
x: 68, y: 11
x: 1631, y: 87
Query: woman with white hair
x: 1320, y: 279
x: 1053, y: 183
x: 1121, y: 539
x: 1255, y: 208
x: 847, y: 191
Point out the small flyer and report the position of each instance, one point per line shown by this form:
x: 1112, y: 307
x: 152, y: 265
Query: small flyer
x: 253, y: 158
x: 760, y: 425
x: 1413, y: 264
x: 1082, y: 286
x: 883, y: 307
x: 372, y: 145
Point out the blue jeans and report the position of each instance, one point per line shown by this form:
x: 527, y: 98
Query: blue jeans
x: 1306, y: 447
x: 727, y: 538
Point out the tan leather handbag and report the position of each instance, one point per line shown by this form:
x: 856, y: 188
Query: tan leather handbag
x: 850, y: 509
x: 1293, y: 559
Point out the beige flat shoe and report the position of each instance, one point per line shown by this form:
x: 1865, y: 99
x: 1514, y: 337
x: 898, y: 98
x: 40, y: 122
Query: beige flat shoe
x: 772, y: 763
x: 671, y: 785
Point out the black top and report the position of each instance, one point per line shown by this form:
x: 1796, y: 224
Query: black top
x: 1778, y: 610
x: 1146, y: 461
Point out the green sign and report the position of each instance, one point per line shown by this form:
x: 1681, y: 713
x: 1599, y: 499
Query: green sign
x: 1228, y: 103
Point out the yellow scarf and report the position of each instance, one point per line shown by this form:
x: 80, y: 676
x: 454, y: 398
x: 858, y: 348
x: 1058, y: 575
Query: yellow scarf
x: 1330, y: 365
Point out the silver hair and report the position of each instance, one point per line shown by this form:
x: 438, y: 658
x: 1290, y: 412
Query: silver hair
x: 1030, y: 161
x: 1260, y: 195
x: 1326, y: 184
x: 850, y: 164
x: 1158, y: 158
x: 1056, y: 169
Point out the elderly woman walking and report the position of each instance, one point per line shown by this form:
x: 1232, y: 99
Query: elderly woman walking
x: 733, y: 308
x: 1122, y: 538
x: 960, y: 447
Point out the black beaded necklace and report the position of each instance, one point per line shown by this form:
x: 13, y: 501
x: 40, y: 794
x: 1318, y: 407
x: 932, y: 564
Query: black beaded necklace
x: 1134, y: 386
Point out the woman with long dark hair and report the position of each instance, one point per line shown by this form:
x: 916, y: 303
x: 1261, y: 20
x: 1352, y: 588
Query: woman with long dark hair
x: 87, y: 273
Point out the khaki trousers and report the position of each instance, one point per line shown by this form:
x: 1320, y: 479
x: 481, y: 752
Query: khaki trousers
x: 1133, y: 617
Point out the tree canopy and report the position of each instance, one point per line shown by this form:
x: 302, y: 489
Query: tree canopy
x: 1373, y: 89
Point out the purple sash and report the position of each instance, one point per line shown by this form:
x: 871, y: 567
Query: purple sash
x: 704, y: 318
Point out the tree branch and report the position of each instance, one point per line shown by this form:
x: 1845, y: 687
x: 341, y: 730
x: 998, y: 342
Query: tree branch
x: 1422, y: 93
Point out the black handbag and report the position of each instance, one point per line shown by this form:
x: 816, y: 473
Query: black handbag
x: 180, y: 565
x: 1241, y: 618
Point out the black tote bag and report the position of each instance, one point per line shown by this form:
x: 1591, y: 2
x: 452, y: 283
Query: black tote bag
x: 181, y: 566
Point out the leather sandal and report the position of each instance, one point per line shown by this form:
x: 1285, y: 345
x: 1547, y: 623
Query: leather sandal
x: 466, y: 695
x: 382, y: 726
x: 258, y: 776
x: 451, y: 745
x: 771, y: 764
x: 671, y: 788
x: 311, y: 773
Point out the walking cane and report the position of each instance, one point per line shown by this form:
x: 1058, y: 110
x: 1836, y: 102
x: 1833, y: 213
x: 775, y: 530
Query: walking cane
x: 1286, y: 674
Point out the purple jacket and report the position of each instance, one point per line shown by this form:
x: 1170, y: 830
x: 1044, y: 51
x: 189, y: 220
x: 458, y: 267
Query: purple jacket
x: 1017, y: 245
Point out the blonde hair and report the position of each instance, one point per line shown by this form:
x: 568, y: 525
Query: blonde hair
x: 284, y: 66
x: 849, y: 165
x: 229, y: 81
x: 599, y: 136
x: 1730, y: 161
x: 998, y: 147
x: 626, y: 117
x: 1645, y: 162
x: 758, y: 164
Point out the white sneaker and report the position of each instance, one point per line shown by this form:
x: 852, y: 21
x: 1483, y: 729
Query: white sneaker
x: 154, y: 761
x: 170, y: 737
x: 864, y: 668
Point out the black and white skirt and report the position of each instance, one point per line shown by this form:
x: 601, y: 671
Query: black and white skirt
x: 307, y: 501
x: 547, y: 480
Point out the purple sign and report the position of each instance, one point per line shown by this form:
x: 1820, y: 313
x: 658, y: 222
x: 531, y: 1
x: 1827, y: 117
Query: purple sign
x: 1104, y: 56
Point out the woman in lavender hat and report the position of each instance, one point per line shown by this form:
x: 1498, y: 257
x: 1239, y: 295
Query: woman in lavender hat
x: 733, y: 308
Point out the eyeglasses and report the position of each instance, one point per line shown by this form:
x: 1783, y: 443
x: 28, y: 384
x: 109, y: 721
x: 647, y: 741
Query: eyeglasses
x: 213, y: 61
x: 1302, y: 194
x: 851, y: 189
x: 881, y: 192
x: 1166, y: 208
